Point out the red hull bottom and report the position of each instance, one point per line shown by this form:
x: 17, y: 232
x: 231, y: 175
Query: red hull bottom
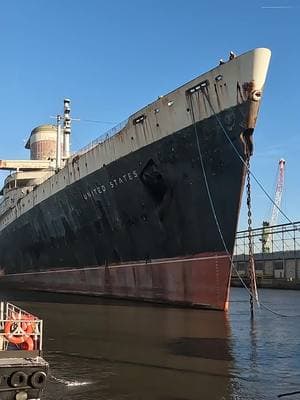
x: 198, y: 281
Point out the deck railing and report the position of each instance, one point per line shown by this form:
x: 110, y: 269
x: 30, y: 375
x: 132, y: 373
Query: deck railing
x: 102, y: 138
x: 19, y: 329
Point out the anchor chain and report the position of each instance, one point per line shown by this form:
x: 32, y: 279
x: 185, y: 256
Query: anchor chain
x: 251, y: 265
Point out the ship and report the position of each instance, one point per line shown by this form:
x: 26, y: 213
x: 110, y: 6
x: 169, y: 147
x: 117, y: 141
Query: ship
x: 149, y: 210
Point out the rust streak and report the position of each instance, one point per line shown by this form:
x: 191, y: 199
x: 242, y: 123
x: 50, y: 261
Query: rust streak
x: 217, y: 95
x: 239, y: 95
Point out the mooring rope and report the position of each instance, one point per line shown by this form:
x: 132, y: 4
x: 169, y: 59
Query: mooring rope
x: 289, y: 393
x: 243, y: 161
x: 212, y: 203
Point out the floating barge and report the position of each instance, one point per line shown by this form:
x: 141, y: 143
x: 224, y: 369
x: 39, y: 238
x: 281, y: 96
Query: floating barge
x: 23, y: 371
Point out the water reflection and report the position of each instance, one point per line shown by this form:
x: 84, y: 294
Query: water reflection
x: 128, y: 351
x: 117, y: 350
x: 266, y: 349
x: 253, y: 343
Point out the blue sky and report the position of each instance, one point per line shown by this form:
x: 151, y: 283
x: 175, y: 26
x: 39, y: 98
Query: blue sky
x: 111, y: 58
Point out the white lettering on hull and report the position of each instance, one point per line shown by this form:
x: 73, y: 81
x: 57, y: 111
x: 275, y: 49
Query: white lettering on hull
x: 113, y: 184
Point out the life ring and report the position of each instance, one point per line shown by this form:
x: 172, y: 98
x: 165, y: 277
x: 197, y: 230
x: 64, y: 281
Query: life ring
x: 28, y: 345
x: 30, y: 321
x: 10, y: 328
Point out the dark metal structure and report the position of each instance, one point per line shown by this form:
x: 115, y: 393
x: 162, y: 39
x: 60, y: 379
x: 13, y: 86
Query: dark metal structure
x: 280, y: 265
x: 23, y: 371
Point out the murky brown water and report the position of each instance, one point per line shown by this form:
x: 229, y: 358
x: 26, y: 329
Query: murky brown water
x: 115, y: 350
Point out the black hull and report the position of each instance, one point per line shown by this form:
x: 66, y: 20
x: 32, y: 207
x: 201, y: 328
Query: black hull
x: 151, y: 204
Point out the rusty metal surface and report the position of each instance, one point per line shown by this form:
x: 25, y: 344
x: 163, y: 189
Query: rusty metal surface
x: 201, y: 281
x: 43, y: 150
x: 24, y: 164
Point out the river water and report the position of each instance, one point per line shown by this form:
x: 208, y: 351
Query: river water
x: 114, y: 350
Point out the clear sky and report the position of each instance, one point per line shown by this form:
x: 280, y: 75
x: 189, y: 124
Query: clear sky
x: 111, y: 58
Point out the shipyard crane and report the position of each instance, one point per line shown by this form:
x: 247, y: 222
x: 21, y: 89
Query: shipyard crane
x: 267, y: 225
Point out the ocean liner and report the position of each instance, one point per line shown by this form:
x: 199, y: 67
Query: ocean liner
x: 147, y: 212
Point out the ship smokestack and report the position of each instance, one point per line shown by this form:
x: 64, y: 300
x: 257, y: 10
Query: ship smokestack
x: 67, y: 128
x: 42, y: 143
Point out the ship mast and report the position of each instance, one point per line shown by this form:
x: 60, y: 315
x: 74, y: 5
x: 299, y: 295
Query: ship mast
x: 67, y: 128
x: 58, y: 142
x: 63, y: 142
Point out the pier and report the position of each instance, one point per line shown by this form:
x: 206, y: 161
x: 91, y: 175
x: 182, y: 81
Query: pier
x: 277, y: 266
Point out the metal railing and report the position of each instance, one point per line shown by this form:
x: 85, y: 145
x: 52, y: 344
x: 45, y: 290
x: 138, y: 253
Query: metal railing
x: 283, y: 238
x: 102, y: 138
x: 280, y: 259
x: 19, y: 327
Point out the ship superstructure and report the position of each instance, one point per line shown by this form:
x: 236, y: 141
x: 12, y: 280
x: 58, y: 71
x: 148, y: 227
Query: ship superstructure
x: 131, y: 215
x: 26, y: 175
